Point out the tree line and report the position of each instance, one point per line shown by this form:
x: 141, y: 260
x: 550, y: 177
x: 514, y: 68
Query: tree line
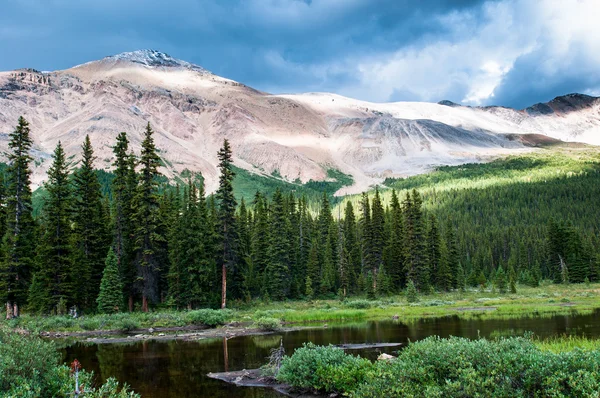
x: 147, y: 243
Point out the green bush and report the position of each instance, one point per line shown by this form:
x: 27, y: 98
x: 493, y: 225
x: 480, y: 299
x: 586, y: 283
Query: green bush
x: 458, y: 367
x: 454, y: 367
x: 266, y: 323
x: 327, y: 369
x: 128, y: 324
x: 30, y: 367
x: 359, y: 304
x: 207, y: 317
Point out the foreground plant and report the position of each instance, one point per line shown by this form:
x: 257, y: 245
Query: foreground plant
x: 454, y: 367
x: 31, y: 367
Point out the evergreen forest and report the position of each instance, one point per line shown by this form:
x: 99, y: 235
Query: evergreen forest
x: 131, y: 240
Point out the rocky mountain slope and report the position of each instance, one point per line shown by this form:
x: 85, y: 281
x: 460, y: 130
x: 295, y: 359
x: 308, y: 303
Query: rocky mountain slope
x: 298, y: 137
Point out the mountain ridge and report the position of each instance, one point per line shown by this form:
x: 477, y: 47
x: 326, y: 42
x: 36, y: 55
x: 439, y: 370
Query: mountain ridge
x: 296, y: 136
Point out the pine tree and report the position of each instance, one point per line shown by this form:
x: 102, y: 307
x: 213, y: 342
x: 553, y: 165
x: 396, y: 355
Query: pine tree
x: 244, y: 221
x: 500, y: 280
x: 395, y: 251
x: 351, y: 247
x: 54, y: 273
x: 512, y: 280
x: 437, y: 265
x: 377, y: 234
x: 366, y: 241
x: 452, y: 254
x: 461, y: 281
x: 411, y: 292
x: 227, y: 206
x: 416, y: 263
x: 278, y: 270
x: 309, y: 289
x: 90, y: 234
x: 146, y: 222
x: 177, y: 276
x: 18, y: 241
x: 110, y: 297
x: 260, y: 245
x: 312, y: 267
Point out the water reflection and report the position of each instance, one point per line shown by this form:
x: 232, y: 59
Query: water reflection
x: 178, y: 368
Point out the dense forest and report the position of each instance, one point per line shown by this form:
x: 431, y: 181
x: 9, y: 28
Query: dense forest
x: 131, y: 240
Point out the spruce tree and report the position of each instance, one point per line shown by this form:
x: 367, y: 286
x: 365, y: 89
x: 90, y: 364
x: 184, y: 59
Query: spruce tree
x: 260, y: 245
x: 177, y: 276
x: 54, y: 274
x: 416, y: 262
x: 18, y: 240
x: 438, y: 267
x: 411, y: 292
x: 351, y: 247
x: 227, y: 226
x: 395, y: 250
x: 500, y: 280
x: 377, y: 235
x: 146, y: 222
x: 90, y: 233
x: 366, y: 240
x: 278, y: 270
x: 110, y: 297
x: 312, y: 266
x: 452, y: 254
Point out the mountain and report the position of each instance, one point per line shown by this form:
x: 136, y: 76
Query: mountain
x: 298, y: 136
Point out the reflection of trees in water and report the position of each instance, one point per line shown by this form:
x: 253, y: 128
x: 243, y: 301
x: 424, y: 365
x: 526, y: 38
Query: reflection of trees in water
x: 111, y: 359
x: 266, y: 341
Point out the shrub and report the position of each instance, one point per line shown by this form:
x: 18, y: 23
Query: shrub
x: 265, y: 323
x: 128, y: 324
x: 30, y: 367
x: 454, y: 367
x: 327, y: 369
x: 359, y: 304
x: 207, y: 317
x: 457, y: 367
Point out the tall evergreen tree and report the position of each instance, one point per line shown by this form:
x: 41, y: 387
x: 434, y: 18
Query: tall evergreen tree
x: 378, y: 237
x: 123, y: 190
x: 146, y: 222
x: 90, y: 233
x: 394, y: 252
x: 351, y: 247
x: 416, y: 263
x: 453, y: 256
x: 227, y: 208
x: 278, y: 270
x: 18, y: 241
x: 110, y: 297
x: 54, y: 262
x: 260, y: 245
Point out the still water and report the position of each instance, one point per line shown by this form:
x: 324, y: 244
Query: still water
x: 179, y: 368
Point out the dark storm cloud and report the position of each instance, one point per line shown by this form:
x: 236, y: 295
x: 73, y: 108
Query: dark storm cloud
x: 279, y: 45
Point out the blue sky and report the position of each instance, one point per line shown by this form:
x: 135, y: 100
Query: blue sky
x: 505, y: 52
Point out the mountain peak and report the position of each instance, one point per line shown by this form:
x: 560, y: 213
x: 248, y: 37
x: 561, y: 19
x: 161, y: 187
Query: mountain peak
x: 153, y: 59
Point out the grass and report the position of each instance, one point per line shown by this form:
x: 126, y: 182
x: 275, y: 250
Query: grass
x: 546, y: 300
x: 567, y: 343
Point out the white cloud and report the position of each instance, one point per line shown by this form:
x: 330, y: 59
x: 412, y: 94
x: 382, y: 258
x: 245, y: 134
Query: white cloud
x: 470, y: 63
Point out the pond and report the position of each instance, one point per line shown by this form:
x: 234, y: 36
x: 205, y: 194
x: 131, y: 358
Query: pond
x: 178, y: 368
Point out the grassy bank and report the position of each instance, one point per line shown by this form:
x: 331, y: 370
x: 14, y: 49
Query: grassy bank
x: 454, y: 367
x: 547, y: 300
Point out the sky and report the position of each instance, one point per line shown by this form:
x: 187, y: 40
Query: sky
x: 497, y: 52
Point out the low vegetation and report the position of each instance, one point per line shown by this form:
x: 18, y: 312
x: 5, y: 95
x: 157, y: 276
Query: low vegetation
x: 30, y: 367
x: 546, y: 300
x: 453, y: 367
